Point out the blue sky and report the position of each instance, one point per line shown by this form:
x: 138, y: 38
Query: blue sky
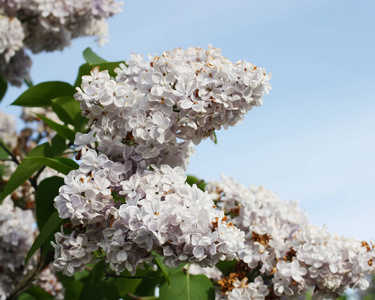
x: 314, y: 137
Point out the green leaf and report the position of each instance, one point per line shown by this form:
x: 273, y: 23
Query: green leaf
x: 23, y: 172
x: 41, y: 94
x: 148, y: 285
x: 72, y: 286
x: 4, y: 154
x: 85, y: 69
x: 226, y: 267
x: 48, y: 189
x: 167, y: 269
x: 187, y: 287
x: 58, y: 145
x: 28, y: 167
x: 138, y: 286
x: 49, y: 228
x: 164, y: 269
x: 61, y: 164
x: 85, y: 273
x: 35, y: 292
x: 194, y: 180
x: 26, y: 296
x: 3, y: 87
x: 96, y: 287
x: 62, y: 130
x: 69, y: 111
x: 91, y: 57
x: 2, y: 173
x: 215, y: 140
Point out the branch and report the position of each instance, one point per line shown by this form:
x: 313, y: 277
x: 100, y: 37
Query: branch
x: 28, y: 82
x: 40, y: 137
x: 135, y: 297
x: 28, y: 280
x: 114, y: 275
x: 14, y: 158
x: 35, y: 178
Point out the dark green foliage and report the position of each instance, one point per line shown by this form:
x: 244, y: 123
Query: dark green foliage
x: 187, y: 287
x: 41, y: 95
x: 3, y: 87
x: 97, y: 287
x: 62, y: 130
x: 43, y: 238
x: 48, y: 189
x: 28, y: 167
x: 194, y: 180
x: 69, y: 111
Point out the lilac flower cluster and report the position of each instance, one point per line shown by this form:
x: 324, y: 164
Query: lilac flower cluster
x: 129, y: 198
x: 157, y: 211
x: 8, y: 129
x: 43, y: 25
x: 282, y: 246
x: 30, y: 118
x: 17, y: 221
x: 182, y: 94
x: 48, y: 281
x: 12, y: 36
x: 16, y: 238
x: 17, y: 233
x: 252, y: 290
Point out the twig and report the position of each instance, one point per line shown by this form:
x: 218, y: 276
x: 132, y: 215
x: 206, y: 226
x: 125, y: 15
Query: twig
x: 114, y: 275
x: 28, y: 82
x: 135, y: 297
x: 14, y: 158
x: 30, y: 277
x: 35, y: 178
x: 40, y: 137
x: 28, y: 19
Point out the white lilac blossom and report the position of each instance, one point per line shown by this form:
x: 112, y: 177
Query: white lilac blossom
x: 242, y: 290
x: 19, y: 145
x: 48, y: 281
x: 17, y: 222
x: 283, y: 247
x: 11, y: 37
x: 211, y: 272
x: 129, y: 198
x: 17, y: 233
x: 29, y: 115
x: 50, y: 25
x: 156, y: 211
x: 8, y: 130
x: 17, y: 70
x: 16, y: 238
x: 143, y: 113
x: 44, y: 25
